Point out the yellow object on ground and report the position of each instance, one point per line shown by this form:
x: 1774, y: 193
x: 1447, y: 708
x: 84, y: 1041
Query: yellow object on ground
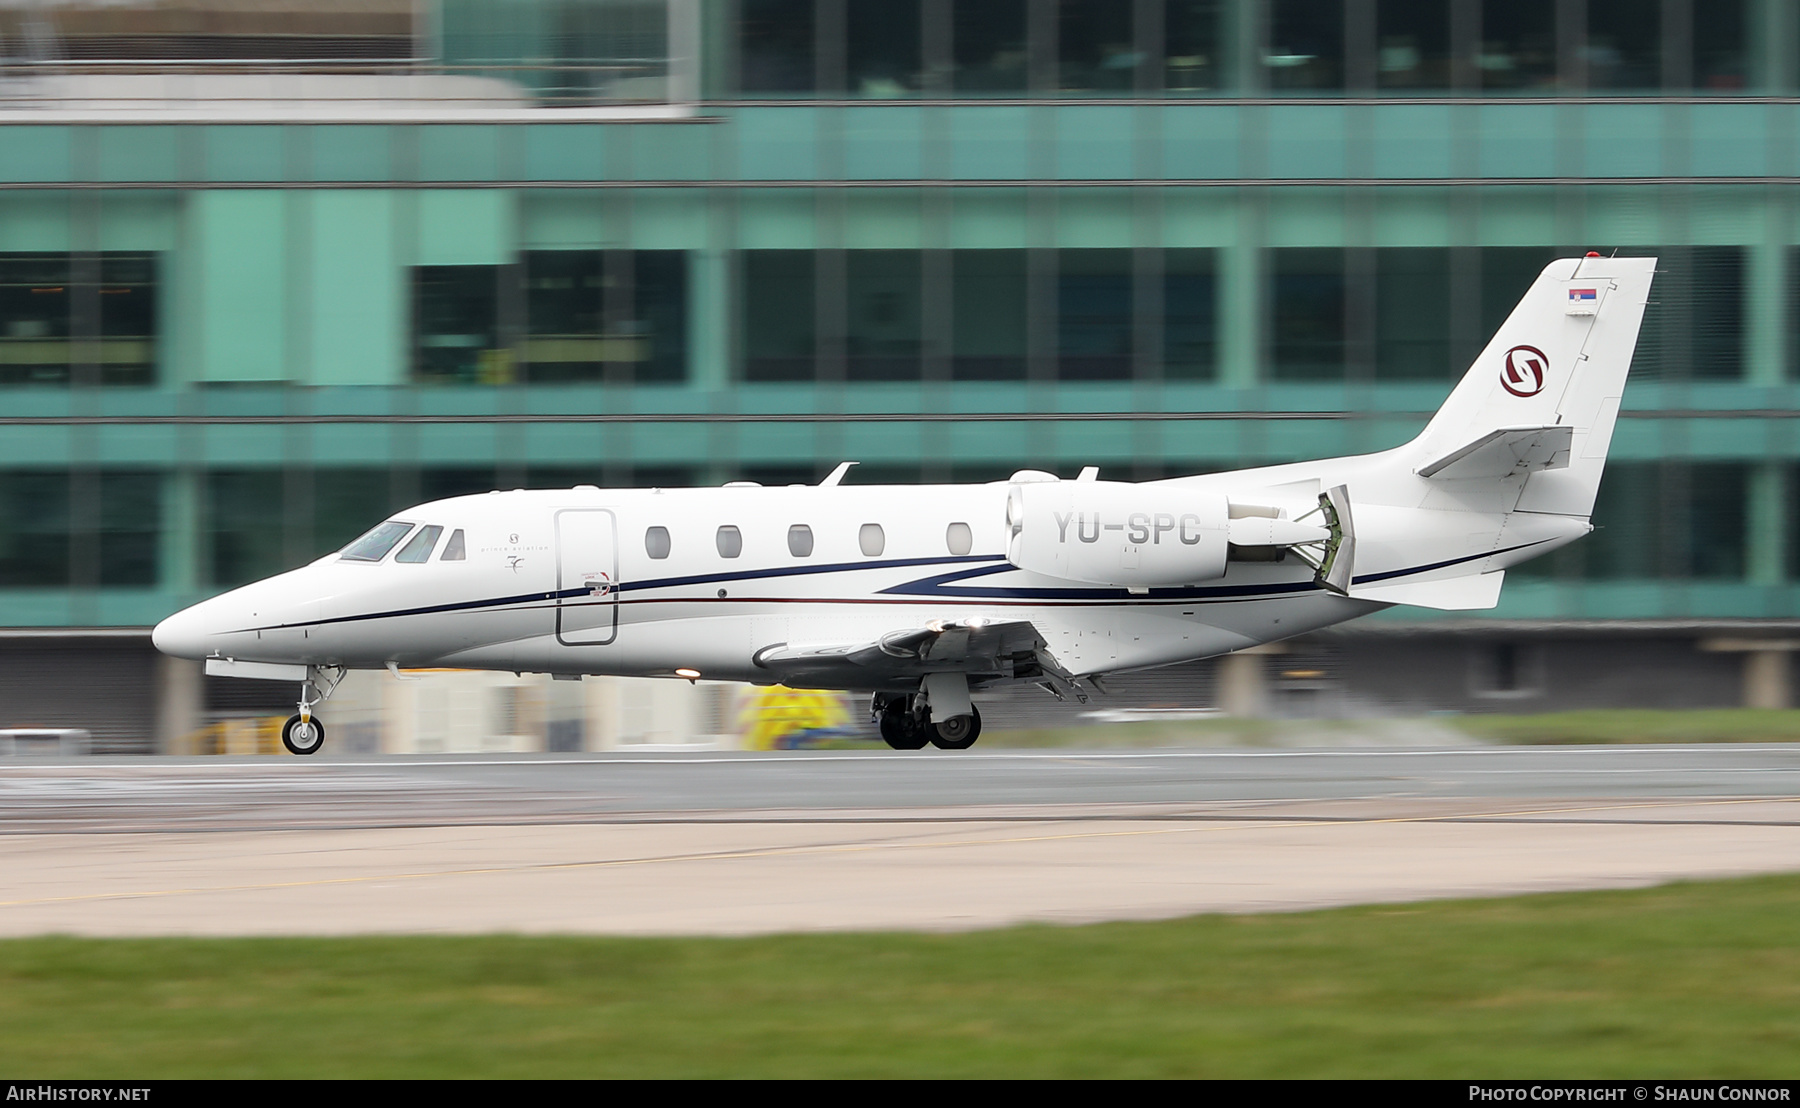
x: 777, y: 718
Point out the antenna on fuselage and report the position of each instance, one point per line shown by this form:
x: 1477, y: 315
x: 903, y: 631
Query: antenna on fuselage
x: 836, y: 476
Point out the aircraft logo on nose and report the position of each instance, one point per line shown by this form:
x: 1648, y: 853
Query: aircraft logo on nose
x: 1524, y: 372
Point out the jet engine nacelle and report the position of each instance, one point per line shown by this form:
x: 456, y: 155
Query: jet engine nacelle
x: 1116, y: 533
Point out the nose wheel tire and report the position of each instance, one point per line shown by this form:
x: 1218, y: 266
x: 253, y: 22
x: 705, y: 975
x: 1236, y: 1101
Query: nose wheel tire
x: 303, y: 736
x: 957, y: 732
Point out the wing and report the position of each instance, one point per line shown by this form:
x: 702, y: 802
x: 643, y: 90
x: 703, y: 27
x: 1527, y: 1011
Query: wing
x: 990, y: 653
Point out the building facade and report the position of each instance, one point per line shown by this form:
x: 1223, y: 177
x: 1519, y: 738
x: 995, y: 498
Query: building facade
x: 268, y: 275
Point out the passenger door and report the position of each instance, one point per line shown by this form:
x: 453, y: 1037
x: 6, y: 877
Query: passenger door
x: 587, y: 577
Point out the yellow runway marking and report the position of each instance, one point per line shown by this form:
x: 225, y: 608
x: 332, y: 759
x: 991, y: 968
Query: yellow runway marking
x: 859, y: 848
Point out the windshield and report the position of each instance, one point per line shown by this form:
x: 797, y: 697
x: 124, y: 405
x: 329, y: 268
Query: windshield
x: 374, y: 546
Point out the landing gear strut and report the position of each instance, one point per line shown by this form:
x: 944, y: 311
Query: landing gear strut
x: 302, y: 734
x: 906, y: 724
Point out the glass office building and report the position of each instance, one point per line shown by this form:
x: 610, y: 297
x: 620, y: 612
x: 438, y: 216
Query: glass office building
x: 267, y: 274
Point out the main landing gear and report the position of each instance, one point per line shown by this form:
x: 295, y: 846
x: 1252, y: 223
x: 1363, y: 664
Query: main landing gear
x: 302, y: 734
x: 906, y: 724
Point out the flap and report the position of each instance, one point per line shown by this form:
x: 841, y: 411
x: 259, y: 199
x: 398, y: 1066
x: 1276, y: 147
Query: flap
x: 1504, y: 452
x: 980, y: 648
x: 1452, y: 594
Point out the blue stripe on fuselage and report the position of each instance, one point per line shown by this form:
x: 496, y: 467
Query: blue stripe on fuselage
x: 934, y: 587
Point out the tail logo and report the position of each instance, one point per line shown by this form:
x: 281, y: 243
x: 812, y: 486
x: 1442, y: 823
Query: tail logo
x: 1524, y: 371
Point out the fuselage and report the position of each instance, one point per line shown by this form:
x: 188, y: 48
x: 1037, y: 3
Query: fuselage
x: 653, y: 581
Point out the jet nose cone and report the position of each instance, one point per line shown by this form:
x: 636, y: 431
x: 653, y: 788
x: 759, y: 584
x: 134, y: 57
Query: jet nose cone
x: 182, y: 635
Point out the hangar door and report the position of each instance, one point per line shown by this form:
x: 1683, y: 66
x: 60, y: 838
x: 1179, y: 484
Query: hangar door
x: 587, y: 577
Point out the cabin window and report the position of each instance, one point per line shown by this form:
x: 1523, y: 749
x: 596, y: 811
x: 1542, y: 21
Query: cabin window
x: 656, y: 542
x: 374, y: 546
x: 731, y: 541
x: 959, y: 538
x: 800, y: 541
x: 872, y: 539
x: 454, y: 550
x: 419, y: 549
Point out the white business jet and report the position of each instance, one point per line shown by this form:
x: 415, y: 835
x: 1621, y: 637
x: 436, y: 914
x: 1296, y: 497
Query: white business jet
x: 925, y: 594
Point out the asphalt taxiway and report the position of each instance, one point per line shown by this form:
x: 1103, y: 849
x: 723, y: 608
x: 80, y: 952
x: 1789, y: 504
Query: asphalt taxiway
x: 731, y: 843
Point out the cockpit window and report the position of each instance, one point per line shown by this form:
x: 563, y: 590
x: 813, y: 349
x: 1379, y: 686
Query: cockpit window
x: 419, y: 549
x: 454, y: 550
x: 374, y: 546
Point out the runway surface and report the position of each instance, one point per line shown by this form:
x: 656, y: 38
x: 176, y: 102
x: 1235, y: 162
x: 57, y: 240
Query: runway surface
x: 734, y: 843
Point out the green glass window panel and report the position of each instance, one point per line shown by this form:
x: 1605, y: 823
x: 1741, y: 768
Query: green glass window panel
x: 1094, y: 142
x: 241, y: 272
x: 466, y: 226
x: 49, y: 303
x: 1721, y: 48
x: 1693, y: 326
x: 459, y: 152
x: 1790, y: 521
x: 990, y: 143
x: 244, y: 515
x: 1413, y: 141
x: 775, y: 46
x: 988, y: 39
x: 140, y: 154
x: 1412, y: 41
x: 882, y: 315
x: 1193, y: 55
x: 1306, y: 45
x: 1307, y: 140
x: 34, y: 529
x: 587, y: 310
x: 1307, y: 314
x: 988, y: 290
x: 777, y: 144
x: 1517, y: 140
x: 444, y: 483
x: 456, y: 309
x: 1729, y: 139
x: 1518, y: 46
x: 670, y: 153
x: 1623, y: 140
x: 357, y: 316
x: 882, y: 143
x: 1094, y: 315
x: 1624, y: 46
x: 1190, y: 328
x: 130, y: 523
x: 779, y: 309
x: 1673, y: 521
x: 1412, y: 314
x: 352, y: 153
x: 236, y: 153
x: 882, y: 48
x: 264, y: 521
x: 1506, y: 274
x: 1095, y: 49
x: 564, y: 152
x: 1200, y: 142
x: 35, y: 154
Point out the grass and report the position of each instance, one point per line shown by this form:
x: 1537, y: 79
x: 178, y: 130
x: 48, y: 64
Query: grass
x: 1713, y: 725
x: 1743, y: 725
x: 1686, y: 980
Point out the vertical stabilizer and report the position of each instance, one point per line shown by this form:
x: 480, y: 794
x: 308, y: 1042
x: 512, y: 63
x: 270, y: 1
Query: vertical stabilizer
x: 1559, y: 360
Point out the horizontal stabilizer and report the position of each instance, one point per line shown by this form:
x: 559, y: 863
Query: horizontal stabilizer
x: 1504, y: 452
x: 1452, y: 594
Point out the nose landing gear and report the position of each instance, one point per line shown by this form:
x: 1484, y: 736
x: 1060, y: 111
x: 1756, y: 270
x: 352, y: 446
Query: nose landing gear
x: 302, y: 734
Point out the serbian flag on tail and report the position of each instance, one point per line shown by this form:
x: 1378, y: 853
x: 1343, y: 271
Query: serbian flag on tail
x: 1583, y: 301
